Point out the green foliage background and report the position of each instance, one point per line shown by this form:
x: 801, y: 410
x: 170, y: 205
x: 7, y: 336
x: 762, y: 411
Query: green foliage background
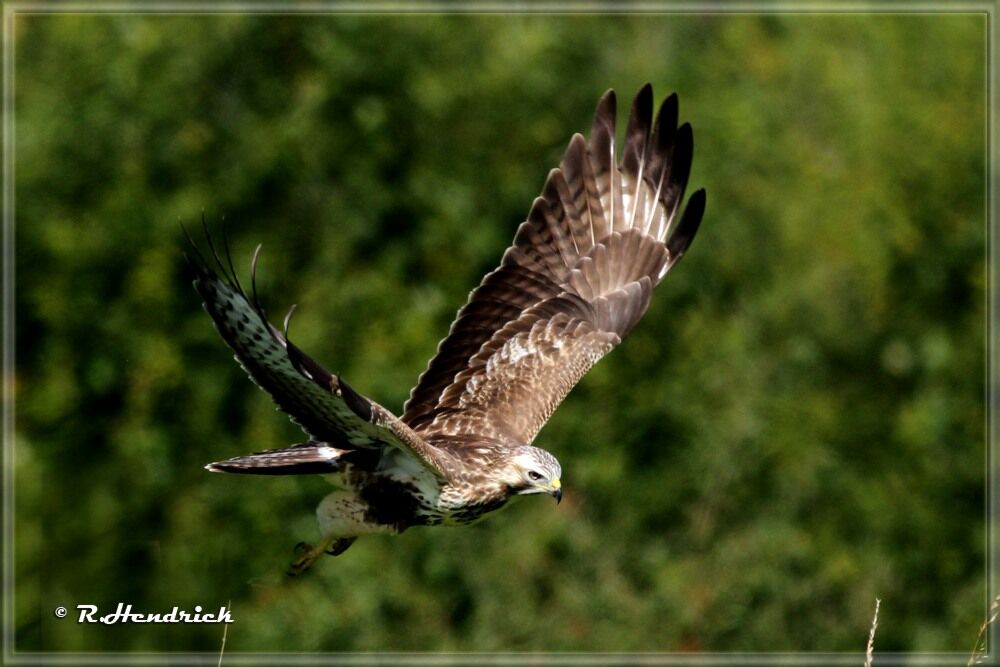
x: 796, y: 427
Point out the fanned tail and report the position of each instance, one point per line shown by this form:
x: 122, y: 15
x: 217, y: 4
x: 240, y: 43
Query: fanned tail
x: 303, y: 459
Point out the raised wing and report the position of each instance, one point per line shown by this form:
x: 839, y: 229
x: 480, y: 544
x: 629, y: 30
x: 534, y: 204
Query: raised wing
x: 323, y: 404
x: 576, y: 280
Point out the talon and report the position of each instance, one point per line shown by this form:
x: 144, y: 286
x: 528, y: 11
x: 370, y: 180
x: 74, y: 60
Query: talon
x: 306, y: 556
x: 302, y: 563
x: 307, y: 553
x: 340, y: 545
x: 299, y: 566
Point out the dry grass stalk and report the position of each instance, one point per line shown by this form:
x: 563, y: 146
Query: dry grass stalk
x: 225, y: 631
x: 871, y: 636
x: 979, y: 650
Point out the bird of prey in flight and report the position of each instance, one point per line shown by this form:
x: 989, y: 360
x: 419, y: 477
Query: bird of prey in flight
x: 577, y: 278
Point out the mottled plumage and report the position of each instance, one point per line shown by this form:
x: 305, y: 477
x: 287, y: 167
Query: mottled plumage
x: 577, y: 278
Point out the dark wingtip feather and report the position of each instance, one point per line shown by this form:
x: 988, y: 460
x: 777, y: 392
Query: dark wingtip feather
x: 198, y: 263
x: 666, y: 122
x: 253, y: 267
x: 229, y: 257
x: 681, y: 239
x: 577, y: 146
x: 640, y: 122
x: 685, y: 136
x: 683, y: 152
x: 187, y: 234
x: 604, y: 117
x: 572, y: 162
x: 215, y: 253
x: 253, y: 282
x: 195, y: 264
x: 358, y: 404
x: 288, y: 320
x: 681, y: 169
x: 607, y: 101
x: 642, y: 105
x: 308, y: 366
x: 225, y: 272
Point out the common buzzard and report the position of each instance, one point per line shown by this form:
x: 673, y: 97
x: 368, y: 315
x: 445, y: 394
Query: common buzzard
x: 577, y: 278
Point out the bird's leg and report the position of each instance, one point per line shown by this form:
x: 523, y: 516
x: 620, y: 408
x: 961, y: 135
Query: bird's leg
x: 307, y: 554
x: 342, y: 517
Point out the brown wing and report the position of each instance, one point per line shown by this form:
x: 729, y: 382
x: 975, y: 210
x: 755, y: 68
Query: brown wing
x: 576, y: 280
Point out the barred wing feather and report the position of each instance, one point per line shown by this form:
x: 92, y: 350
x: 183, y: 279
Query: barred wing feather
x: 322, y: 403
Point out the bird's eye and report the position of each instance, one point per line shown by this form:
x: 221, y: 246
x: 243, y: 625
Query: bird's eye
x: 534, y: 476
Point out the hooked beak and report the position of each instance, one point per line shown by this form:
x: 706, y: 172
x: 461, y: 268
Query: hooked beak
x: 557, y: 490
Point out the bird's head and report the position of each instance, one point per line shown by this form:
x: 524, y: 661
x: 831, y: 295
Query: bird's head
x: 533, y: 470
